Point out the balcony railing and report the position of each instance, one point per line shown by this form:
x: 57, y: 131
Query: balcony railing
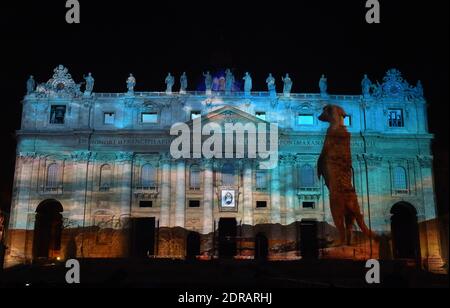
x: 303, y: 96
x: 146, y: 188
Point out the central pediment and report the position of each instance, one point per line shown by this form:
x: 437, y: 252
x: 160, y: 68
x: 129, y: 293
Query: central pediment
x: 228, y: 114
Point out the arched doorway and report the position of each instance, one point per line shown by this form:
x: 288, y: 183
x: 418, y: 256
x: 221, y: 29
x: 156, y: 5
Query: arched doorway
x: 192, y: 245
x: 405, y: 231
x: 261, y: 247
x: 47, y: 230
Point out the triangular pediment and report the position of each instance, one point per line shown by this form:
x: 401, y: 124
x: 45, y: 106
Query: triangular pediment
x: 228, y: 114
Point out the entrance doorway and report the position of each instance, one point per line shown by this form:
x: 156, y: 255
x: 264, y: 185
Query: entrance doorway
x: 192, y: 245
x: 227, y: 237
x: 47, y: 230
x: 142, y: 237
x: 405, y: 231
x: 261, y: 247
x: 308, y: 239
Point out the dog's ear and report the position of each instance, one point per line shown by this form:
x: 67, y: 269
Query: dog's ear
x: 340, y: 111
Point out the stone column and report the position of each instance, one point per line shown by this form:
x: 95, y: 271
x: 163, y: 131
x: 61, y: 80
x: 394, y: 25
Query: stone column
x: 275, y: 196
x: 80, y: 164
x: 288, y: 168
x: 125, y: 161
x: 20, y: 208
x: 248, y: 194
x: 164, y: 220
x: 428, y: 224
x: 207, y: 197
x: 276, y: 232
x: 180, y: 194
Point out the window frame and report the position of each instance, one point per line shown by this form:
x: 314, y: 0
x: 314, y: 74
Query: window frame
x: 152, y: 180
x: 299, y: 115
x: 104, y: 118
x: 156, y: 113
x: 402, y: 113
x: 300, y: 174
x: 259, y: 113
x: 52, y: 107
x: 405, y: 188
x: 101, y: 186
x: 199, y: 171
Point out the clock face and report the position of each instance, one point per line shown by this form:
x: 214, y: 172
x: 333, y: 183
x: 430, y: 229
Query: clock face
x: 395, y: 89
x: 60, y: 86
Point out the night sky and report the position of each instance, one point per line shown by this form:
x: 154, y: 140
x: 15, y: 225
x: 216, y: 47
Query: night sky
x: 303, y: 38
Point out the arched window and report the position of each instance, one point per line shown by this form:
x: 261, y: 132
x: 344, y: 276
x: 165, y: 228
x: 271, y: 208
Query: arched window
x: 52, y: 176
x: 105, y: 177
x: 228, y: 176
x: 261, y: 180
x: 307, y: 176
x: 400, y: 181
x: 148, y: 176
x: 194, y: 177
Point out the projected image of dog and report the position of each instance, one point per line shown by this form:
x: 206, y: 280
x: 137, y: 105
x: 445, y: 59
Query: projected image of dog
x: 335, y: 165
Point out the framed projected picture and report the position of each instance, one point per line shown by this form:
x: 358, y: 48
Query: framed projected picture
x: 228, y: 200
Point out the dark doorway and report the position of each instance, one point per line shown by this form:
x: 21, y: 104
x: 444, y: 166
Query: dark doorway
x: 227, y: 237
x: 261, y: 247
x: 308, y: 239
x: 47, y: 230
x: 142, y: 237
x: 192, y: 245
x: 405, y: 231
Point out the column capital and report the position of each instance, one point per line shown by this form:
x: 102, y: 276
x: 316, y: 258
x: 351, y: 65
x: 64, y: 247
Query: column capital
x: 165, y: 158
x: 372, y: 160
x: 124, y: 157
x: 287, y: 159
x: 27, y: 156
x: 206, y: 163
x: 82, y: 156
x: 425, y: 161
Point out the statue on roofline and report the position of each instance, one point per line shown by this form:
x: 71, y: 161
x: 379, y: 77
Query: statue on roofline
x: 183, y: 83
x: 131, y: 83
x: 170, y: 81
x: 270, y: 81
x: 89, y: 83
x: 31, y: 85
x: 287, y: 81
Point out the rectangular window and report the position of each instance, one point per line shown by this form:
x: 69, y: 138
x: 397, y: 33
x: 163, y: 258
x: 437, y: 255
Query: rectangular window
x: 261, y: 204
x: 195, y: 115
x: 395, y: 118
x: 149, y: 117
x: 348, y: 120
x: 108, y: 118
x: 194, y: 203
x: 261, y: 180
x: 305, y: 119
x: 57, y: 114
x: 261, y: 115
x: 309, y: 205
x: 145, y: 203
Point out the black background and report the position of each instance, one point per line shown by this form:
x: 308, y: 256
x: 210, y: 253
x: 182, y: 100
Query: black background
x: 149, y: 38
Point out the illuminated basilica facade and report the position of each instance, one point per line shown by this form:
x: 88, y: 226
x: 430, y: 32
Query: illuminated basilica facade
x: 94, y: 177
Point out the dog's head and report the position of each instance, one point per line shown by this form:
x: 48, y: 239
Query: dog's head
x: 332, y: 114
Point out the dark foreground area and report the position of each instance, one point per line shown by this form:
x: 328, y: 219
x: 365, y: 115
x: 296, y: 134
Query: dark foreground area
x: 219, y: 274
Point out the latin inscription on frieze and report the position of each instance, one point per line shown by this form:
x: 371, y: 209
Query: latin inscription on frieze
x: 131, y: 141
x: 318, y: 142
x: 120, y: 141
